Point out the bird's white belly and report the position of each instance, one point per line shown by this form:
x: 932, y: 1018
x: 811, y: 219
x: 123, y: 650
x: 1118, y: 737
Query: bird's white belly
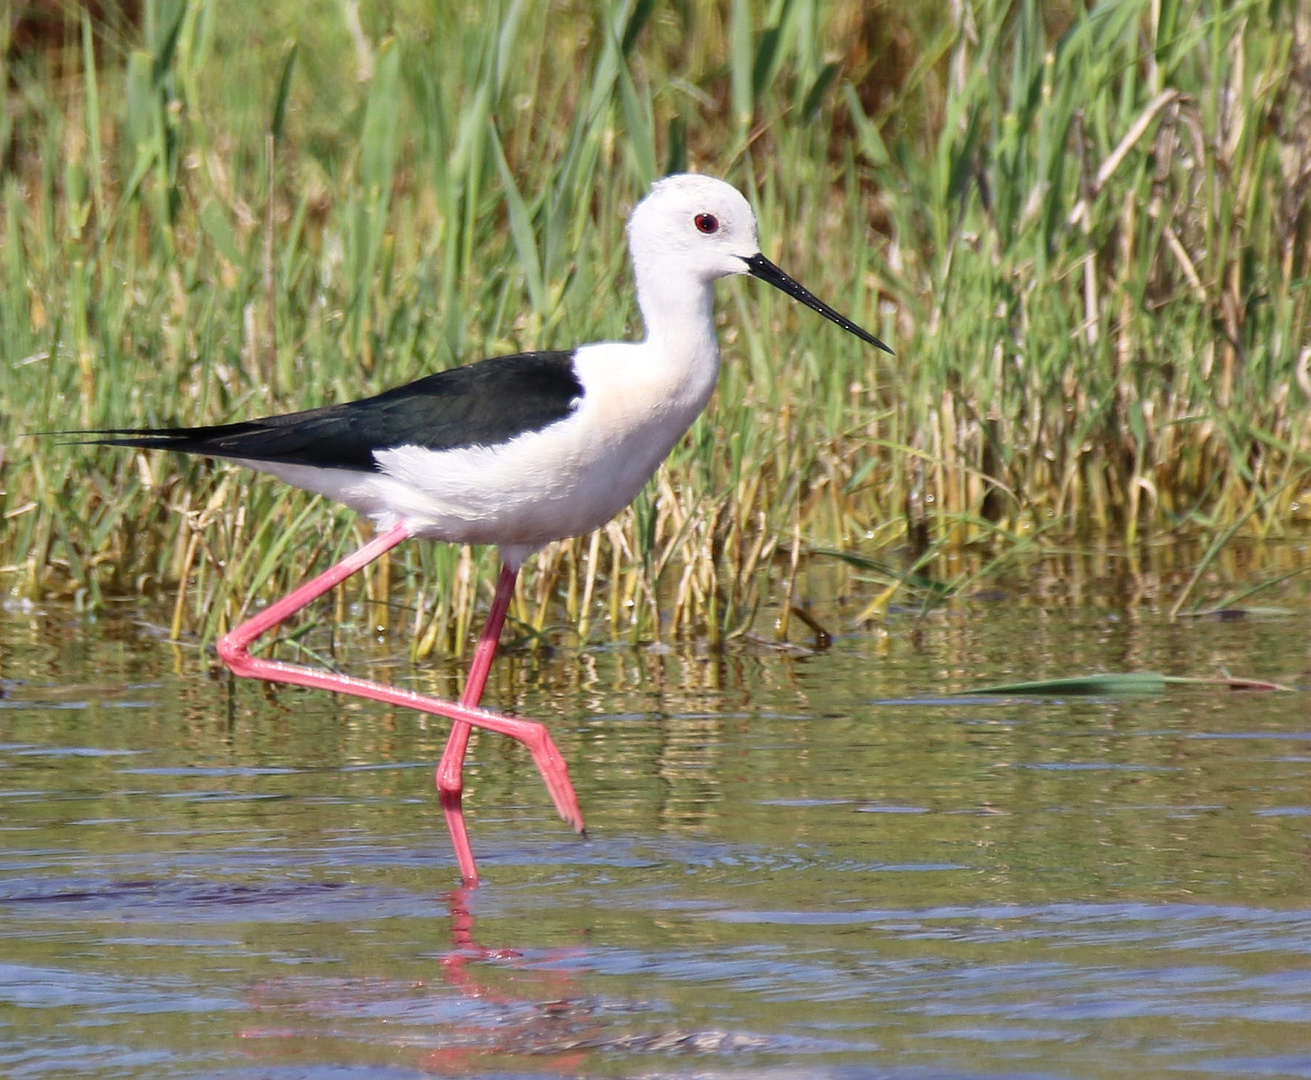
x: 525, y: 492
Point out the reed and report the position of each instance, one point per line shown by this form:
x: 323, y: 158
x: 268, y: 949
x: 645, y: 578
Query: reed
x: 1085, y: 233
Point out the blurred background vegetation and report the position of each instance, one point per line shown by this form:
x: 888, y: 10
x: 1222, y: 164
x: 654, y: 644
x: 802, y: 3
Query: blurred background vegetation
x: 1083, y: 229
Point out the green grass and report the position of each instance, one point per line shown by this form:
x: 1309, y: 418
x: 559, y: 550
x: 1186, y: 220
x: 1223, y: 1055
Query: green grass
x: 1085, y: 234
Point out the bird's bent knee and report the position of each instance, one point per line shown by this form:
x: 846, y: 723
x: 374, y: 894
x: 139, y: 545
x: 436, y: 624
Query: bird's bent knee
x: 232, y: 654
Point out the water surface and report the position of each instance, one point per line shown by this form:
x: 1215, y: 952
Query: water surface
x: 798, y: 865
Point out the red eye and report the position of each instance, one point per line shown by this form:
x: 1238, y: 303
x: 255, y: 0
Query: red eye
x: 707, y: 223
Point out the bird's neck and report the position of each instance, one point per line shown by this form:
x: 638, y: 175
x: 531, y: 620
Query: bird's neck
x: 679, y: 312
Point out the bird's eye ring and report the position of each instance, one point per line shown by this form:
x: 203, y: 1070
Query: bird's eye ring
x: 707, y: 223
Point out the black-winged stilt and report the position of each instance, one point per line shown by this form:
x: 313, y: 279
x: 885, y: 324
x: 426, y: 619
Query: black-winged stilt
x: 515, y: 451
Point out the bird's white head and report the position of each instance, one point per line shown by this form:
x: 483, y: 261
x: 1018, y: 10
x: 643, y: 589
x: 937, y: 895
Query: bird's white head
x: 691, y: 230
x: 693, y: 225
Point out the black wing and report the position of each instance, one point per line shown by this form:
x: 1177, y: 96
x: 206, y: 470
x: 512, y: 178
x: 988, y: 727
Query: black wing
x: 480, y: 404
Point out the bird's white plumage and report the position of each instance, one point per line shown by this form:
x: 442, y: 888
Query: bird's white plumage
x: 638, y: 400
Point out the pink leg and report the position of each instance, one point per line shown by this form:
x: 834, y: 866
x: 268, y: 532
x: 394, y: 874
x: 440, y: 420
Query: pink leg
x: 233, y: 649
x: 450, y: 770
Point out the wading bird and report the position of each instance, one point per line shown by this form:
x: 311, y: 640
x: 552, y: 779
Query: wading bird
x: 515, y: 451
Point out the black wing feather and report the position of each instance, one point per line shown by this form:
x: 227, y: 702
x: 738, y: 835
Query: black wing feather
x: 480, y: 404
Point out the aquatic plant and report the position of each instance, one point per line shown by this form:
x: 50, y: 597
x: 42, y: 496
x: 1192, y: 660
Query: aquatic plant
x: 1084, y: 231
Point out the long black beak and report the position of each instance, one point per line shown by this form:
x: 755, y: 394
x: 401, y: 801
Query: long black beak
x: 759, y: 266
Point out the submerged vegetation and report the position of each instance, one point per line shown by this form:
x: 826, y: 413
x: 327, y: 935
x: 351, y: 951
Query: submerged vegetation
x: 1085, y: 233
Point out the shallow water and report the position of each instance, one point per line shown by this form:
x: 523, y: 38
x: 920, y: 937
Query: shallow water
x: 797, y: 865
